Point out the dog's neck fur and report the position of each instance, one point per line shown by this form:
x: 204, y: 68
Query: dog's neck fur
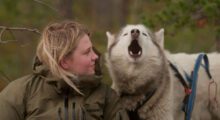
x: 161, y: 97
x: 159, y: 81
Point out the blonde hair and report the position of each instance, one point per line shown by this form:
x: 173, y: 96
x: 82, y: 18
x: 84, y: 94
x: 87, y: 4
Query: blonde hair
x: 58, y: 40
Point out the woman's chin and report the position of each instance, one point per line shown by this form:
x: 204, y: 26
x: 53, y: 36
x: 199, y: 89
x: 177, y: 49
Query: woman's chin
x: 90, y: 73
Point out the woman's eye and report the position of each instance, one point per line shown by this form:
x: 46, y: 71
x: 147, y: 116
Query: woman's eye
x: 87, y: 51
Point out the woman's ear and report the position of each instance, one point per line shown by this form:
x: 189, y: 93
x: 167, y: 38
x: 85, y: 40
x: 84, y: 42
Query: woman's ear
x: 64, y: 63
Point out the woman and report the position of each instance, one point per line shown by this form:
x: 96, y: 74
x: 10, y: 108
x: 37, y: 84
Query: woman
x: 64, y: 84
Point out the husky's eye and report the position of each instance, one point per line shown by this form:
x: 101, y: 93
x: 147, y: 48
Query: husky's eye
x: 125, y: 34
x: 144, y: 34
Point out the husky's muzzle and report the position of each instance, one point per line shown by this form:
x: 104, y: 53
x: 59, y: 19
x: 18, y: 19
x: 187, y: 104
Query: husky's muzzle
x: 134, y: 49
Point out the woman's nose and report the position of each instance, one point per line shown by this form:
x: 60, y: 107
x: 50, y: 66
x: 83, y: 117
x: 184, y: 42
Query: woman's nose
x: 94, y: 56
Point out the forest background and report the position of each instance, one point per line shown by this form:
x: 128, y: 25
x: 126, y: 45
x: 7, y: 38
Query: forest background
x: 190, y: 26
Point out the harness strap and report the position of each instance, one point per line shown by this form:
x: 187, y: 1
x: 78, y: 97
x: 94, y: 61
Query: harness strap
x: 178, y: 75
x: 184, y: 82
x: 193, y: 84
x: 133, y: 114
x: 190, y: 89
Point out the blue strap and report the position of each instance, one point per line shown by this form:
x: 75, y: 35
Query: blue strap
x: 193, y: 82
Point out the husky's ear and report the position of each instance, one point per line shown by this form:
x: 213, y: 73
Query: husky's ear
x: 160, y: 37
x: 111, y: 38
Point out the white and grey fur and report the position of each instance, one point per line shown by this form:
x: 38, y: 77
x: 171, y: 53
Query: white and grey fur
x: 136, y: 77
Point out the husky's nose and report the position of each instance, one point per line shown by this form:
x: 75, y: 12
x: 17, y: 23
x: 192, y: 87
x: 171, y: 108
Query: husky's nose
x: 135, y: 33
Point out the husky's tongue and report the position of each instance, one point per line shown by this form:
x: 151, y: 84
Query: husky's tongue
x: 134, y: 49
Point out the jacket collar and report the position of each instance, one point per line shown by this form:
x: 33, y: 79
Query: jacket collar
x: 84, y: 83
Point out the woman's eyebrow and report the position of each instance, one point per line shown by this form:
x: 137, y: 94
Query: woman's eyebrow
x: 87, y: 49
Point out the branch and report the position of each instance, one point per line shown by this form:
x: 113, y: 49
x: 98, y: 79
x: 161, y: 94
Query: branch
x: 20, y: 29
x: 4, y: 28
x: 45, y: 4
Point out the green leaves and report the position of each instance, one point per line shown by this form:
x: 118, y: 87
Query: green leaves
x: 186, y: 19
x: 187, y: 12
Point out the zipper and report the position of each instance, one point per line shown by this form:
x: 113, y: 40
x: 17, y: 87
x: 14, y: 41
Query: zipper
x: 73, y: 111
x: 59, y: 114
x: 66, y: 115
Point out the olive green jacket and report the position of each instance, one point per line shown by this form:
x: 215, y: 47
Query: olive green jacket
x: 39, y: 97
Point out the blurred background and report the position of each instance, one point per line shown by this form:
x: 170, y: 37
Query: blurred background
x: 190, y: 26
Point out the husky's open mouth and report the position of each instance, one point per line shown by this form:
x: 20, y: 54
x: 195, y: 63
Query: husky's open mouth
x: 134, y: 49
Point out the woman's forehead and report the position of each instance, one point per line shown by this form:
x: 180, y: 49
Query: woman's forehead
x: 84, y: 42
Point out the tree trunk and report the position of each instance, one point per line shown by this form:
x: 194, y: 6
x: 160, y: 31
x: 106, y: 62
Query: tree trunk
x: 108, y: 14
x: 65, y: 9
x: 101, y: 13
x: 121, y: 11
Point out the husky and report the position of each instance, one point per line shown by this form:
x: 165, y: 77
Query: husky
x: 141, y: 75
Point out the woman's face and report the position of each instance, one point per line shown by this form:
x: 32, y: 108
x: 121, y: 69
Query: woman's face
x: 82, y: 60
